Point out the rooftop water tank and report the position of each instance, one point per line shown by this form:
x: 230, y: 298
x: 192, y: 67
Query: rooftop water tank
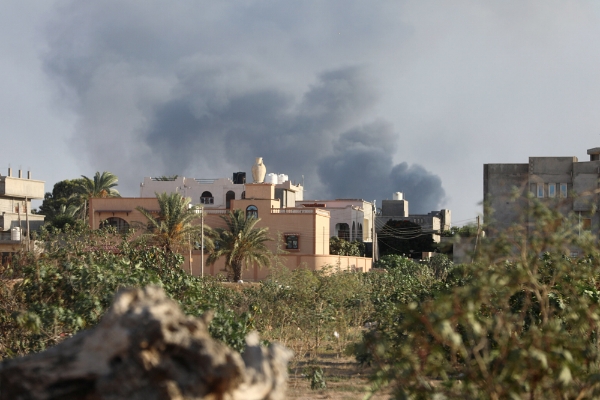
x: 397, y: 196
x: 15, y: 234
x: 271, y: 178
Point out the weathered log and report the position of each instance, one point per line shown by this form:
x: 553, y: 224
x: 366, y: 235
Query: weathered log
x: 145, y: 348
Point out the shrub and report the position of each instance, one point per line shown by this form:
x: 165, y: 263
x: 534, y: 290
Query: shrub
x: 521, y: 322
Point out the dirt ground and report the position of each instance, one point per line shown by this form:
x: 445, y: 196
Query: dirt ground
x: 345, y: 379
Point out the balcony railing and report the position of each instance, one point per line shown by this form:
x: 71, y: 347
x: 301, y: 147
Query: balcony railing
x: 300, y: 211
x: 217, y: 211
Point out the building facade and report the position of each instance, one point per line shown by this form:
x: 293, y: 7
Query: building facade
x: 350, y: 219
x: 299, y: 235
x: 17, y: 221
x: 219, y: 193
x: 563, y: 183
x: 433, y: 223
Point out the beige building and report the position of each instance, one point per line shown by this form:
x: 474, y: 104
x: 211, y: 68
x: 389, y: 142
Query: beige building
x: 17, y: 221
x: 563, y: 183
x: 301, y: 232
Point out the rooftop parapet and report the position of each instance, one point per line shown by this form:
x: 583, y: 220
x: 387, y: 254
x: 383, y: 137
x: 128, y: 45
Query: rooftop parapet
x: 21, y: 187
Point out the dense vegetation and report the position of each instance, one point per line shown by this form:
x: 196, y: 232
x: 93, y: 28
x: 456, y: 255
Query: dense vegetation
x: 522, y: 321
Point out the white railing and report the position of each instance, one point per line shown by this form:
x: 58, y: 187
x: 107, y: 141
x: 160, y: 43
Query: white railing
x: 205, y: 181
x: 317, y: 211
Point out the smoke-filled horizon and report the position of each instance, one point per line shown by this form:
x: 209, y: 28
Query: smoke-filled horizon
x: 362, y: 98
x: 151, y: 102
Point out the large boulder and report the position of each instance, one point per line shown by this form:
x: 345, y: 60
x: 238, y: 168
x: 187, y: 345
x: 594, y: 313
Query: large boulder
x: 145, y: 348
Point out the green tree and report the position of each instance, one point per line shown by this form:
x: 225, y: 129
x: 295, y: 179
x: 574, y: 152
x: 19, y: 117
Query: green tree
x: 65, y: 215
x: 241, y: 243
x: 101, y: 186
x: 64, y: 193
x: 342, y: 247
x: 173, y: 228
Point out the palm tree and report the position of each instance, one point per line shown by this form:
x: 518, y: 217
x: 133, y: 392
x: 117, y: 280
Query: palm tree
x: 102, y: 185
x: 241, y: 243
x: 173, y: 228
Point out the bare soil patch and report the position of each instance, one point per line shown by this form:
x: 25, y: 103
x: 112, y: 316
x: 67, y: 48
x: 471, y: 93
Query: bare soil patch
x: 344, y: 377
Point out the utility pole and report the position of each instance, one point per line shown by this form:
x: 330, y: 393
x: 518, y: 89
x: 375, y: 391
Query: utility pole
x: 374, y: 233
x: 190, y: 254
x: 27, y: 224
x: 202, y: 242
x: 476, y: 238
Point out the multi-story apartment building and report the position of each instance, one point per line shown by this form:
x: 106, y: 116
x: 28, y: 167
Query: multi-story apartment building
x: 564, y: 183
x: 17, y: 221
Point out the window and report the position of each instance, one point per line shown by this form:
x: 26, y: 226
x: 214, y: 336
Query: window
x: 563, y: 190
x: 291, y: 241
x: 118, y: 223
x: 540, y: 190
x: 251, y: 212
x: 552, y: 190
x: 207, y: 198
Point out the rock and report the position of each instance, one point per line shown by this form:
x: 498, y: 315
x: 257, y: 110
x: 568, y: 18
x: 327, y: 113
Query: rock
x: 145, y: 348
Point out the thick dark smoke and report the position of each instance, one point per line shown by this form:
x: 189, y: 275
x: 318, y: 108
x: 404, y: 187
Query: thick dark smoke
x: 363, y: 156
x: 154, y: 102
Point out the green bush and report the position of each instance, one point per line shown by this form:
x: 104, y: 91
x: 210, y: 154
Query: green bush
x: 521, y: 322
x: 70, y: 287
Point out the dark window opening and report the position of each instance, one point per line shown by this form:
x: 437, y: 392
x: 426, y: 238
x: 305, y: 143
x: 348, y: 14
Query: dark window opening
x: 343, y: 231
x: 291, y: 242
x: 228, y: 197
x: 207, y: 198
x: 251, y: 212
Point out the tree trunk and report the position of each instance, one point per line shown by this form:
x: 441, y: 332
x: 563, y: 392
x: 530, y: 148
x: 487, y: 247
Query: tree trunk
x: 236, y: 266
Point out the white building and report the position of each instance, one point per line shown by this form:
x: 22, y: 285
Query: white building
x: 218, y: 193
x: 350, y: 219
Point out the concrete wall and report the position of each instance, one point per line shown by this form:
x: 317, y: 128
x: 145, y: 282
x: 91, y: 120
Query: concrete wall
x: 504, y: 193
x: 21, y: 188
x: 394, y: 208
x: 290, y: 261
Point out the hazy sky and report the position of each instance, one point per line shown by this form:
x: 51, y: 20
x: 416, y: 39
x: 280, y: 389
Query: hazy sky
x: 362, y: 98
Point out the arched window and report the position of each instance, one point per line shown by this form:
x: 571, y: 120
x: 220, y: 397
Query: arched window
x: 118, y: 223
x: 228, y: 197
x: 251, y: 212
x: 244, y: 194
x: 207, y: 198
x: 360, y: 232
x: 343, y: 231
x: 353, y: 231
